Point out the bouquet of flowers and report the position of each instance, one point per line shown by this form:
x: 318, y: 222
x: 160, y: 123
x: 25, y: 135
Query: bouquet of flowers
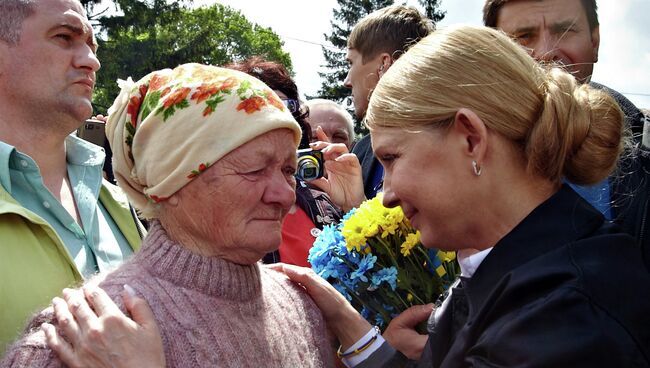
x: 375, y: 259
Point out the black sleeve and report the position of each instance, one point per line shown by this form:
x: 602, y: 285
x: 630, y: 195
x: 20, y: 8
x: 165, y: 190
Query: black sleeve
x: 564, y: 329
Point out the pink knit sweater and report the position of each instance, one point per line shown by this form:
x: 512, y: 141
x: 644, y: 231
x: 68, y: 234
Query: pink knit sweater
x: 211, y: 313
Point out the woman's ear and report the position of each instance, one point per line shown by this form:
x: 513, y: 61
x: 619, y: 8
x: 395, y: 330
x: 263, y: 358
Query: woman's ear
x: 473, y: 132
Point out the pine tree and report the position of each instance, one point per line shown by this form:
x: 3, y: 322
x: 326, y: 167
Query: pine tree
x: 431, y: 10
x: 349, y: 12
x: 345, y: 17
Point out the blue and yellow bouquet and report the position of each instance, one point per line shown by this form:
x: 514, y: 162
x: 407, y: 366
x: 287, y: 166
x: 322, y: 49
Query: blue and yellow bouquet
x: 375, y: 259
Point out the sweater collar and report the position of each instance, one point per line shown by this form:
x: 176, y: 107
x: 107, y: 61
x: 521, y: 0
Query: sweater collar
x: 561, y: 219
x: 168, y: 260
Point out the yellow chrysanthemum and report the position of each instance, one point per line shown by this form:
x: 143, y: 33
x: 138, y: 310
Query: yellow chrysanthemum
x: 353, y: 232
x: 410, y: 242
x: 389, y: 229
x: 396, y: 215
x: 446, y: 256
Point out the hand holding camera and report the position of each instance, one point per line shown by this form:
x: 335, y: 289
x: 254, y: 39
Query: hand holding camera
x: 343, y: 183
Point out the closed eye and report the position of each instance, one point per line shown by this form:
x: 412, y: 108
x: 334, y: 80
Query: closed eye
x: 254, y: 173
x: 387, y: 158
x: 65, y: 37
x: 290, y: 171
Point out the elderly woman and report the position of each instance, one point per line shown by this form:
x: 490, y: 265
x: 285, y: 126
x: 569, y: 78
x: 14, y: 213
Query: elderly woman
x: 209, y: 155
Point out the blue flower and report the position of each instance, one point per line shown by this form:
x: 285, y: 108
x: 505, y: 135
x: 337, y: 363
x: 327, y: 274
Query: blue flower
x: 365, y: 312
x: 379, y: 320
x: 349, y: 214
x: 325, y: 247
x: 335, y: 268
x: 367, y: 263
x: 387, y: 275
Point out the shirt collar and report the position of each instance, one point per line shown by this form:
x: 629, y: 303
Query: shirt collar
x: 78, y: 152
x: 470, y: 259
x: 81, y: 152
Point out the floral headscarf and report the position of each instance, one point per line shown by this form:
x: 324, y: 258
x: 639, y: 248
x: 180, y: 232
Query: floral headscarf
x: 171, y: 125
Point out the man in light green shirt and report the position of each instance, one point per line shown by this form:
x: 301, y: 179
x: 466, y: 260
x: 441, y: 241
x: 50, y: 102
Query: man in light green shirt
x: 59, y: 223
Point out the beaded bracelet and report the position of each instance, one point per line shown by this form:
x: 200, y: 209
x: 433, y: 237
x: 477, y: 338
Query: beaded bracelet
x: 361, y: 348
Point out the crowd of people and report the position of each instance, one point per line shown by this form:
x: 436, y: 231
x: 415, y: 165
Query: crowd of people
x: 493, y: 140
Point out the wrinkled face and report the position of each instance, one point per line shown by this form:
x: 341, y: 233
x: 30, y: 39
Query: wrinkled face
x: 426, y: 173
x: 362, y: 79
x: 51, y: 71
x: 553, y: 30
x: 332, y: 123
x: 237, y: 206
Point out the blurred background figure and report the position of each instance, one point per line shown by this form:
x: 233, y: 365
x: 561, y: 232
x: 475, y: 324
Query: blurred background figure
x: 334, y: 119
x: 374, y: 44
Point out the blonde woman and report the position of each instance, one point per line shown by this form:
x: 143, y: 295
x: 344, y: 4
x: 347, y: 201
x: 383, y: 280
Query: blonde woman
x: 476, y: 140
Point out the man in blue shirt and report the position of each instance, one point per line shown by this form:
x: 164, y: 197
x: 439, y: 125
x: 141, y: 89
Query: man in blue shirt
x: 59, y: 223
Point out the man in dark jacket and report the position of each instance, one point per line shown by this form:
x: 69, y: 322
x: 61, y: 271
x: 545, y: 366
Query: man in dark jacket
x: 567, y: 32
x: 374, y: 44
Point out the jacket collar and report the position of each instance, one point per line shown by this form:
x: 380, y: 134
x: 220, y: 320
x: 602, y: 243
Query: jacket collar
x: 561, y: 219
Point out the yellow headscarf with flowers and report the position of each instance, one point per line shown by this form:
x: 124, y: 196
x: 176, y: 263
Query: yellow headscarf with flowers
x: 171, y: 125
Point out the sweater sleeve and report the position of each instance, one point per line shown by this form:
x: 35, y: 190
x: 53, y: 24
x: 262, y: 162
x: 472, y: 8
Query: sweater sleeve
x: 31, y: 350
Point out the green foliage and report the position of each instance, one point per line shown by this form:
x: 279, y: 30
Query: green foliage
x: 349, y: 12
x: 431, y: 10
x: 156, y: 34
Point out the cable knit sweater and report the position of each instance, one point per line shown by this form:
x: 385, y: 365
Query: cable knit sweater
x: 211, y: 313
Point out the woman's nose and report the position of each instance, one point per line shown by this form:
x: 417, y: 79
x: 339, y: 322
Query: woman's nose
x: 280, y: 191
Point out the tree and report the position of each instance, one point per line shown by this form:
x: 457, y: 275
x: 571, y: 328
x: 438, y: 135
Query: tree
x: 345, y: 17
x: 155, y: 34
x: 431, y: 10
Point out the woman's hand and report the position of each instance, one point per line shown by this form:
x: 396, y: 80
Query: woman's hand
x: 401, y: 333
x: 343, y: 320
x: 103, y: 336
x: 344, y: 182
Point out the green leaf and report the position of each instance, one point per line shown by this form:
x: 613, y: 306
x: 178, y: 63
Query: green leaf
x: 150, y: 101
x: 169, y: 112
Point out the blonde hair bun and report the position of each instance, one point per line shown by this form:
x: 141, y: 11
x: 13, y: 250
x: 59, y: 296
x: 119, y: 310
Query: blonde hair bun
x: 579, y: 134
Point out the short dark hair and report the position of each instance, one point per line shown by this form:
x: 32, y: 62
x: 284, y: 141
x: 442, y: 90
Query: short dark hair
x: 492, y: 7
x: 391, y: 29
x: 12, y: 15
x: 277, y: 77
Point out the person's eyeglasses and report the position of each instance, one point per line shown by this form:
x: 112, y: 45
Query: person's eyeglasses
x: 291, y: 104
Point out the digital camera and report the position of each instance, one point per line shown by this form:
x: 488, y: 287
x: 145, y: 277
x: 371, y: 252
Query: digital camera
x: 310, y: 164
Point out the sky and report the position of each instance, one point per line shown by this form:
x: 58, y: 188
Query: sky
x: 624, y: 56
